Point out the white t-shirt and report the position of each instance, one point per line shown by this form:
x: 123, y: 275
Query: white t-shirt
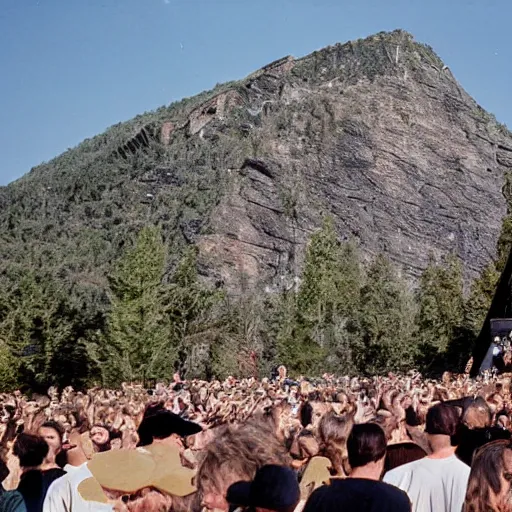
x: 433, y: 485
x: 63, y: 495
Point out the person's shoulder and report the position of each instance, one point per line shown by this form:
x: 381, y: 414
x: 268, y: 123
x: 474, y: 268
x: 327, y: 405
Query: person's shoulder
x: 403, y: 469
x: 12, y: 501
x: 392, y: 491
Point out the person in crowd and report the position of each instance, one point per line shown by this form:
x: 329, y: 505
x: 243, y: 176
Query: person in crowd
x: 333, y: 432
x: 100, y: 437
x: 31, y: 451
x: 273, y: 489
x: 63, y: 494
x: 53, y: 433
x: 362, y: 491
x: 476, y: 430
x: 436, y: 483
x: 489, y: 481
x: 163, y: 426
x: 234, y: 455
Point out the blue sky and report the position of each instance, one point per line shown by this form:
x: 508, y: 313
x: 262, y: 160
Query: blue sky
x: 71, y: 68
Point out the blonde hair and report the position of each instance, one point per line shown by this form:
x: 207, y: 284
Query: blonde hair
x: 333, y: 431
x: 237, y: 454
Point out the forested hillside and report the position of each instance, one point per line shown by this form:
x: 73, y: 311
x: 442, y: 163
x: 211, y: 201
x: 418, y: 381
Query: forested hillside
x: 337, y: 212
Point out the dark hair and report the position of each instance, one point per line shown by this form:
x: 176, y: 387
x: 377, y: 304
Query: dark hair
x: 4, y: 470
x: 442, y: 419
x: 402, y: 453
x: 306, y: 414
x: 55, y: 425
x: 30, y: 450
x: 366, y: 443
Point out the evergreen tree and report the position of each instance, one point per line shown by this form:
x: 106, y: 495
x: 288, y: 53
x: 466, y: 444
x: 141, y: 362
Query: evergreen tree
x: 480, y: 297
x: 386, y: 318
x: 194, y: 313
x: 504, y: 245
x: 37, y: 333
x: 317, y: 322
x: 139, y: 343
x: 440, y: 316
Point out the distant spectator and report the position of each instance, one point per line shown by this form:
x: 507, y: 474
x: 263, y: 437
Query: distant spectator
x: 53, y: 433
x: 476, y: 430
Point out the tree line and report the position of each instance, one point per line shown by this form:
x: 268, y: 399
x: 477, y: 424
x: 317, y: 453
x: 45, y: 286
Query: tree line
x: 344, y: 315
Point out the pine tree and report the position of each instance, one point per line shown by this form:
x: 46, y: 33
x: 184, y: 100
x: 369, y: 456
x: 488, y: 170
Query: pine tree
x: 480, y: 297
x: 386, y: 319
x: 38, y: 335
x: 195, y: 315
x: 139, y: 341
x: 317, y: 321
x: 441, y: 308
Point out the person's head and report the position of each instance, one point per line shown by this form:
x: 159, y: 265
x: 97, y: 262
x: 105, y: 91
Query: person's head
x: 31, y: 450
x: 333, y: 431
x: 490, y: 477
x: 402, y: 453
x: 503, y: 420
x: 442, y: 426
x: 52, y: 432
x: 165, y: 426
x: 235, y: 455
x: 477, y: 414
x: 274, y: 489
x: 366, y: 446
x: 100, y: 437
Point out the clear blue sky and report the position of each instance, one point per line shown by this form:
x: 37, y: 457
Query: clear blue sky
x: 71, y: 68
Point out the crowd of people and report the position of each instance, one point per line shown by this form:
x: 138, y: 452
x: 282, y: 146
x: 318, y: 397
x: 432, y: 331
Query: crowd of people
x: 394, y: 443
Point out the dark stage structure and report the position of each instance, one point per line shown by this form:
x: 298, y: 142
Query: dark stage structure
x: 498, y: 321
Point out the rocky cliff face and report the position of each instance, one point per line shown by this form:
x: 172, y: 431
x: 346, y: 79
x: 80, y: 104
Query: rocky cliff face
x: 376, y: 133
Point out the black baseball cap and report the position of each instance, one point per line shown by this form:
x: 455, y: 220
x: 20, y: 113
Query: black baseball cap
x: 164, y: 423
x: 274, y: 487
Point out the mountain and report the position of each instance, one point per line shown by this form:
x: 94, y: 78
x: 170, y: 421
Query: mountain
x: 376, y: 133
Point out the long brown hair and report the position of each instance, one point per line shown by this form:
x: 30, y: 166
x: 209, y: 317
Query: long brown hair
x: 333, y: 431
x: 485, y: 491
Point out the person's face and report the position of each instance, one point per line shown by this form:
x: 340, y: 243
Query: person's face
x: 503, y: 421
x: 214, y: 500
x: 52, y: 438
x: 99, y: 436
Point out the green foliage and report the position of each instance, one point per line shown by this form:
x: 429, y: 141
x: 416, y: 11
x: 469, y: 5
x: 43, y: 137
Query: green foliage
x: 504, y: 243
x: 441, y: 303
x: 42, y: 335
x: 386, y: 321
x: 441, y: 314
x: 194, y: 312
x: 480, y: 297
x: 138, y: 345
x: 8, y: 369
x: 316, y: 323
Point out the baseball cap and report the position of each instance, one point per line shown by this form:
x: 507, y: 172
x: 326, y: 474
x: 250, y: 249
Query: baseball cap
x: 274, y: 488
